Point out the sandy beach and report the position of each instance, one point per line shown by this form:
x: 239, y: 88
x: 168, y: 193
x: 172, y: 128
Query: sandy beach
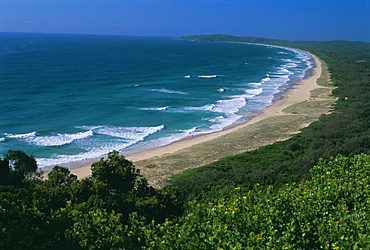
x: 300, y: 105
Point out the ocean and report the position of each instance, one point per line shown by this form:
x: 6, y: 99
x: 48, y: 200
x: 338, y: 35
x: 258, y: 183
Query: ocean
x: 70, y: 98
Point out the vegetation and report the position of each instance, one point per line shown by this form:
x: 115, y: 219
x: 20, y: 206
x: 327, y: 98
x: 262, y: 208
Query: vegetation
x: 329, y: 211
x: 65, y: 212
x: 308, y: 192
x: 15, y: 166
x: 346, y: 131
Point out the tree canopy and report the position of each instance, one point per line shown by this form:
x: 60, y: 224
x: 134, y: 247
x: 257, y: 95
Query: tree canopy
x: 21, y: 163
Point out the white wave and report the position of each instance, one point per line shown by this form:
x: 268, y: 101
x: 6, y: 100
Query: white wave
x: 188, y: 76
x: 22, y: 136
x: 229, y: 106
x: 208, y: 76
x: 159, y: 109
x: 174, y: 137
x: 291, y: 65
x: 265, y: 79
x: 270, y: 85
x: 253, y: 92
x: 129, y: 133
x: 280, y: 76
x: 254, y: 84
x: 2, y: 139
x: 168, y: 91
x: 216, y: 119
x: 64, y: 159
x: 304, y: 57
x: 229, y: 109
x: 128, y: 136
x: 282, y: 71
x: 221, y: 90
x: 226, y: 106
x: 222, y: 122
x: 207, y: 107
x: 93, y: 153
x: 59, y: 139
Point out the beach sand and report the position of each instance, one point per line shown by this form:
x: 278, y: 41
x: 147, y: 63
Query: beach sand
x: 302, y: 104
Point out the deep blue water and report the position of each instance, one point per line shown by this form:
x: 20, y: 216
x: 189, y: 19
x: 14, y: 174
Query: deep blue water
x: 67, y: 98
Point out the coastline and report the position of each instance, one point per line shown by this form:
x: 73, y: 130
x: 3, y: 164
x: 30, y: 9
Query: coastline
x: 299, y: 92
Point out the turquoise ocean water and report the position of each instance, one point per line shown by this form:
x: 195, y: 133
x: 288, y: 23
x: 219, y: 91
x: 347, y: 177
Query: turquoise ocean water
x: 70, y: 98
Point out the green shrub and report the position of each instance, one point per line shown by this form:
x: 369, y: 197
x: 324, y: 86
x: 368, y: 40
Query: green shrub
x: 331, y: 210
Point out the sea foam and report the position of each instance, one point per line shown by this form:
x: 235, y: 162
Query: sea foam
x: 59, y: 139
x: 130, y: 133
x: 178, y: 135
x: 22, y: 136
x: 127, y: 136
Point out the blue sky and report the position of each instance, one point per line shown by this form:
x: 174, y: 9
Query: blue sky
x: 280, y: 19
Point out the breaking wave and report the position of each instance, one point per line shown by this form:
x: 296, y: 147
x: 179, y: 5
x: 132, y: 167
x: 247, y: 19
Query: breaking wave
x: 22, y: 136
x: 60, y: 139
x: 168, y: 91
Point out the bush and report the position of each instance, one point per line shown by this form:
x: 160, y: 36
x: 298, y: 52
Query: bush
x: 329, y: 211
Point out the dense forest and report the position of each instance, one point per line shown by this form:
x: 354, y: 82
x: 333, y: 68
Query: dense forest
x: 311, y: 191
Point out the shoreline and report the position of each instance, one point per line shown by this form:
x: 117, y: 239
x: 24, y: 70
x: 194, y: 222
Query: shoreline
x: 297, y: 93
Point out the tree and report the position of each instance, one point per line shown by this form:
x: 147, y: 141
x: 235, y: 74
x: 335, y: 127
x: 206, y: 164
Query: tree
x: 61, y: 177
x: 117, y: 172
x: 4, y: 172
x: 21, y: 163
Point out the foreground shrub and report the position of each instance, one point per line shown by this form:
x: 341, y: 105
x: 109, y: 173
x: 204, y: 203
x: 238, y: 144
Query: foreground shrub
x: 329, y: 211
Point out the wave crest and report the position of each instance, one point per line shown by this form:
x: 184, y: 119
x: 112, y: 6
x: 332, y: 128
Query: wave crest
x: 208, y: 76
x: 22, y: 136
x: 168, y: 91
x: 60, y: 139
x: 134, y: 134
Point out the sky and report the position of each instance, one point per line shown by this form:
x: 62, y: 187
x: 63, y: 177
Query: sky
x: 279, y: 19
